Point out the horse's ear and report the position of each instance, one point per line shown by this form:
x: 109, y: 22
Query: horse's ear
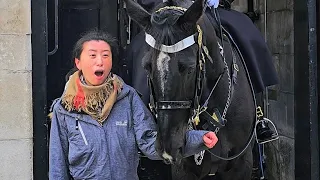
x: 193, y: 13
x: 138, y: 13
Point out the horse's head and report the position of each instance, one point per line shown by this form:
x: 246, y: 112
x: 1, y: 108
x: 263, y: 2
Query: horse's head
x: 172, y: 65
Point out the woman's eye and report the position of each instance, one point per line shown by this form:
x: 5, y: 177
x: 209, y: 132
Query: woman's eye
x: 92, y: 55
x: 185, y: 69
x: 106, y: 55
x: 182, y: 68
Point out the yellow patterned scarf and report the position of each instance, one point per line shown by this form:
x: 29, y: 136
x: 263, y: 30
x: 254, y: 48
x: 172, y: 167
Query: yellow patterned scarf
x: 96, y: 101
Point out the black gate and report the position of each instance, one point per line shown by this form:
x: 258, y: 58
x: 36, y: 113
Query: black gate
x: 58, y: 29
x: 67, y: 20
x: 306, y: 89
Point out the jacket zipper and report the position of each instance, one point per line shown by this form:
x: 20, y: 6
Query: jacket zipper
x: 78, y: 125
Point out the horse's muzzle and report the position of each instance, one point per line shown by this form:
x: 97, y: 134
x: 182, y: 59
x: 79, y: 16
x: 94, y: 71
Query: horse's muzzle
x: 172, y: 159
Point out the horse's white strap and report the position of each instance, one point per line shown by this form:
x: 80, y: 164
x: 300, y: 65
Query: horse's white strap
x: 179, y: 46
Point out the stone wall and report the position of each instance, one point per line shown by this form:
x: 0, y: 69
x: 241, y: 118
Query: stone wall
x: 280, y: 39
x: 15, y: 90
x: 276, y: 24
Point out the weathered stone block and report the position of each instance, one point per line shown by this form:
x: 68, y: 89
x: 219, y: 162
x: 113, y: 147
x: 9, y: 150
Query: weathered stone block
x: 277, y: 27
x: 16, y: 104
x: 15, y: 17
x: 16, y: 159
x: 281, y: 113
x: 279, y: 5
x: 280, y: 159
x: 276, y: 63
x: 285, y: 70
x: 273, y: 5
x: 15, y: 52
x: 280, y: 36
x: 240, y: 5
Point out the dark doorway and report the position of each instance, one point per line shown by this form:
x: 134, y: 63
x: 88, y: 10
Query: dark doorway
x: 65, y: 26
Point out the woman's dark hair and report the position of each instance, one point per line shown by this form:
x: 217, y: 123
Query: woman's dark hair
x: 97, y: 35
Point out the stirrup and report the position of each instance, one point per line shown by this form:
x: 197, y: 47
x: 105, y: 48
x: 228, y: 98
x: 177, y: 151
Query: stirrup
x: 274, y: 136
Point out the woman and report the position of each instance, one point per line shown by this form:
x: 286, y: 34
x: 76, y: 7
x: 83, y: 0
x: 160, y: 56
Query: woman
x: 99, y: 123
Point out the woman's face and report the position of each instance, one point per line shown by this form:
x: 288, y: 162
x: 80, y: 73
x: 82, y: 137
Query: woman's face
x: 95, y: 62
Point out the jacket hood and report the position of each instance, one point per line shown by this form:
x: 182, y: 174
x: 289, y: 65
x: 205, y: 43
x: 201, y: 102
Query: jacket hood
x: 124, y: 91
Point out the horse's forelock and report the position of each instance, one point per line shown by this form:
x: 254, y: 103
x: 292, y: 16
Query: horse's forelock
x: 165, y: 17
x: 164, y: 31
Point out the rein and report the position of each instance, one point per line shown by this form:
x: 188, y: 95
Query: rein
x: 236, y: 68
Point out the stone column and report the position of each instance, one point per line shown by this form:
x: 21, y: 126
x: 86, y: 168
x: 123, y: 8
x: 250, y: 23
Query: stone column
x: 15, y: 90
x: 276, y: 25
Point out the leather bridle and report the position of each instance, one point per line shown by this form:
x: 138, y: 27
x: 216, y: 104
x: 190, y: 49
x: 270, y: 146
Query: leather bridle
x: 193, y: 104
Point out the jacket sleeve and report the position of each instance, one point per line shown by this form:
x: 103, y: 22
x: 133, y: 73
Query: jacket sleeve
x: 146, y: 132
x: 58, y: 149
x: 145, y: 128
x: 194, y: 142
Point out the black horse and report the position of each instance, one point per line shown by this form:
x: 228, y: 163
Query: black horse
x: 195, y: 72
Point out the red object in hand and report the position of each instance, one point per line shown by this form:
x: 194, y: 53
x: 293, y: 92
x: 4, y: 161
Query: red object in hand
x: 210, y: 139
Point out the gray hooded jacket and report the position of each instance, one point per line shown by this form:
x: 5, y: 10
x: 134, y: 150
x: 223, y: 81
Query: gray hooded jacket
x: 81, y: 148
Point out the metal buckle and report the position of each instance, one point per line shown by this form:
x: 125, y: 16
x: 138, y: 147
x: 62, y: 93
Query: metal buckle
x: 236, y: 67
x: 259, y: 112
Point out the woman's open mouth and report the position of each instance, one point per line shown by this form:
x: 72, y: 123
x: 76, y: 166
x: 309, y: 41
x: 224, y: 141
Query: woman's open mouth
x: 99, y: 73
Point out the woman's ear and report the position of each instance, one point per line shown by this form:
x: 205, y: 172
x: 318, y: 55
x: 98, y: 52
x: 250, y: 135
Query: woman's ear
x: 77, y: 63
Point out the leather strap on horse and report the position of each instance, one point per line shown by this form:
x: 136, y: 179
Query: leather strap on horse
x: 200, y: 73
x: 254, y: 99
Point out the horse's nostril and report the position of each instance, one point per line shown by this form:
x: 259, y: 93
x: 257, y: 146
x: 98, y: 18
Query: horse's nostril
x: 177, y: 160
x: 166, y: 161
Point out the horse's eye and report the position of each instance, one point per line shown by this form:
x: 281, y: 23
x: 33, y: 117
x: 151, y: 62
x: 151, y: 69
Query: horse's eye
x: 147, y: 66
x: 190, y: 70
x: 182, y: 68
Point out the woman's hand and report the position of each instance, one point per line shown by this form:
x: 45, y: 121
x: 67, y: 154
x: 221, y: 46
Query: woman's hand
x: 210, y: 139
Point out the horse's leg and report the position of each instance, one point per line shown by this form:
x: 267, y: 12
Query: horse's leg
x: 241, y: 168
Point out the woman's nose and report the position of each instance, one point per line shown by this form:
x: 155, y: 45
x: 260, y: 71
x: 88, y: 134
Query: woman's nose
x: 99, y: 61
